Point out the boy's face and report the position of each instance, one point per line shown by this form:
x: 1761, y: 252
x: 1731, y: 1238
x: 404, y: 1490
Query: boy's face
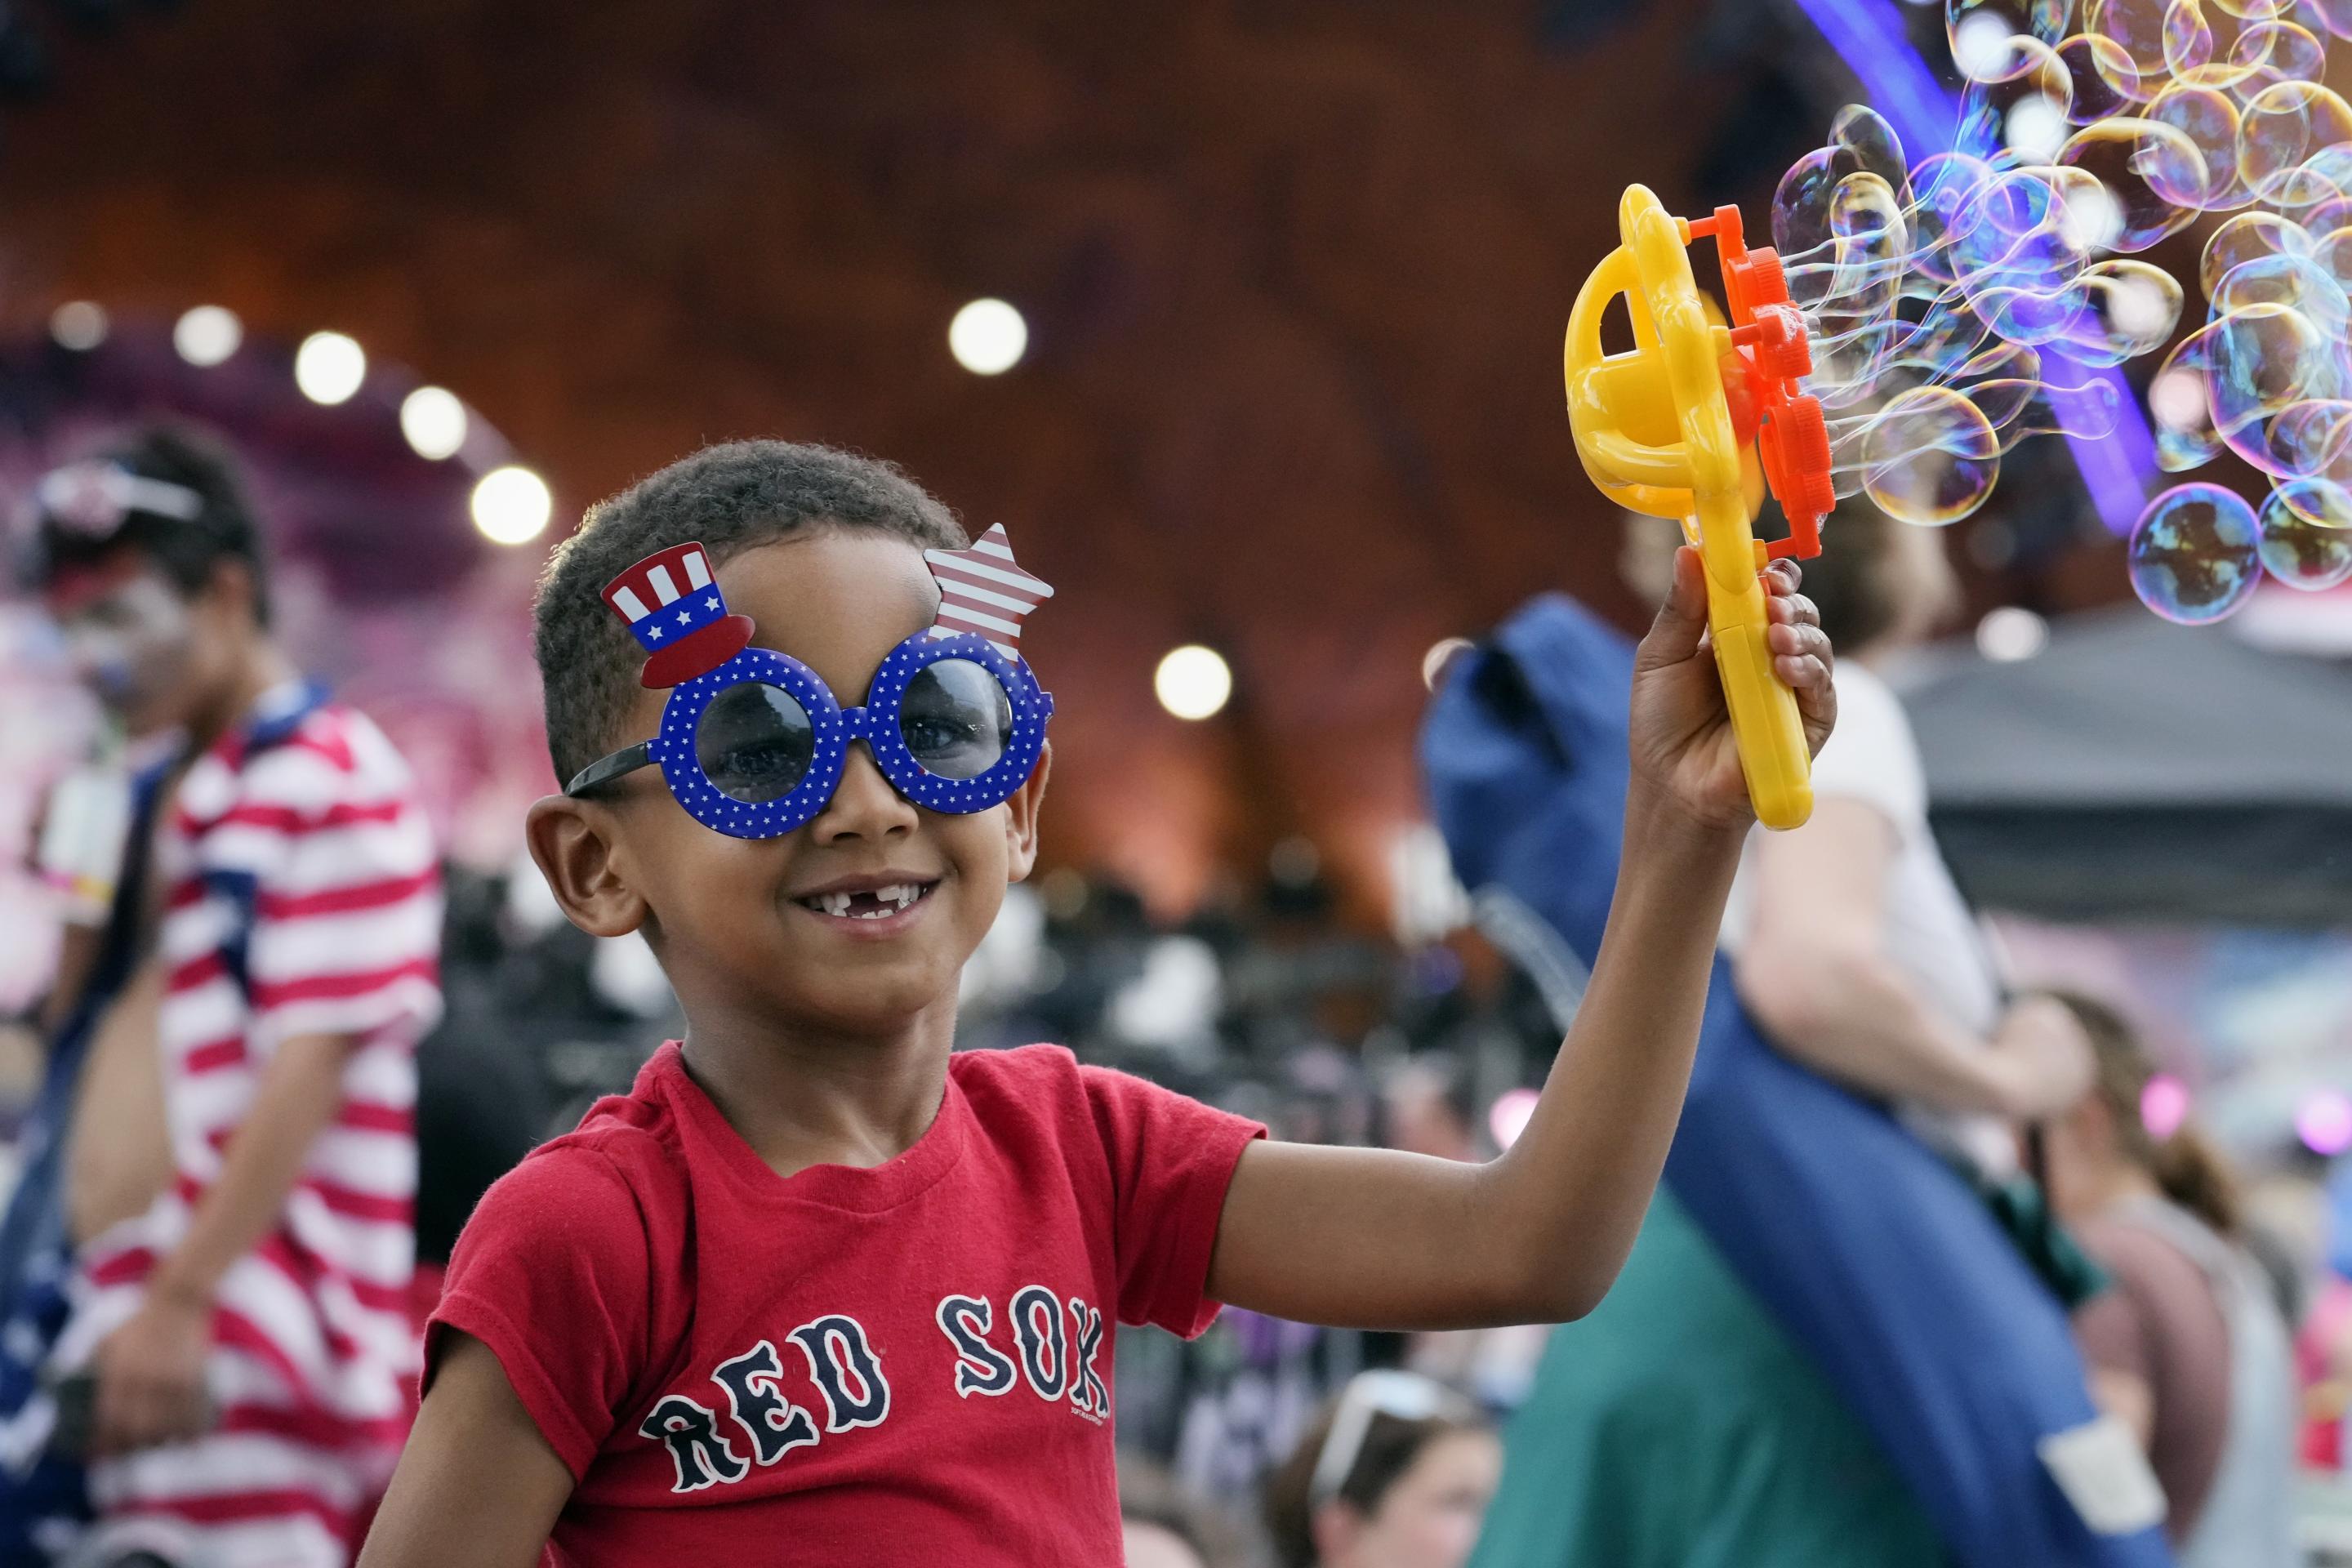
x: 143, y: 648
x: 740, y: 924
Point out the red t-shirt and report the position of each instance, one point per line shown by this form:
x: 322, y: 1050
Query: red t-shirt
x: 907, y: 1364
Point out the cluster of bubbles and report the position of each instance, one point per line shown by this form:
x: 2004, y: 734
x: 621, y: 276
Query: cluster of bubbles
x: 1961, y: 303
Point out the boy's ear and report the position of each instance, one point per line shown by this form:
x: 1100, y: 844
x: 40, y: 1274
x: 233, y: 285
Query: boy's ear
x: 1021, y: 819
x: 1336, y: 1525
x: 576, y: 850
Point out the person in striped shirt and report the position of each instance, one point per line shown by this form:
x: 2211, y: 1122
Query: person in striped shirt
x: 245, y: 1347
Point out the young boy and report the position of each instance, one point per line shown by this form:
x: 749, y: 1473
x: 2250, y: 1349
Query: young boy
x: 237, y: 1357
x: 818, y: 1291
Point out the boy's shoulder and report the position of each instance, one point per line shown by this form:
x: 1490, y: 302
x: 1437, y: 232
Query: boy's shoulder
x: 629, y: 1139
x: 607, y: 1193
x: 1036, y: 1087
x: 1016, y: 1068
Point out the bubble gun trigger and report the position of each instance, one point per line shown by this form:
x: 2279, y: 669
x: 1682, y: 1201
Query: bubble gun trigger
x: 1695, y: 422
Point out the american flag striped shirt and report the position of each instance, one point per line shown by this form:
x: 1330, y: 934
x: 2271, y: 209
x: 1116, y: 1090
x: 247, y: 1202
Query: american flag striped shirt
x: 303, y: 899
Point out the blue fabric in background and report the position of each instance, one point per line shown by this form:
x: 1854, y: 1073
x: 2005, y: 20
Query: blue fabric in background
x: 1873, y: 1255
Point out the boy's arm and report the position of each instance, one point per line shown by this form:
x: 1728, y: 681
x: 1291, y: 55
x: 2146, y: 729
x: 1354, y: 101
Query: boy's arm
x: 150, y: 1370
x: 1371, y: 1238
x: 1368, y: 1238
x: 477, y: 1486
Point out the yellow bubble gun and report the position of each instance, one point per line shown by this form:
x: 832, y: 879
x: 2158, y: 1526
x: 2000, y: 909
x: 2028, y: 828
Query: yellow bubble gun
x: 1694, y: 423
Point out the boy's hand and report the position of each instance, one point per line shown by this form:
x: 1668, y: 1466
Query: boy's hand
x: 1681, y: 742
x: 151, y: 1376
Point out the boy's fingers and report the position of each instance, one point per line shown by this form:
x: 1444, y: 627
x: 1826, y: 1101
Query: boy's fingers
x: 1801, y: 673
x: 1798, y: 639
x: 1783, y: 576
x: 1681, y: 619
x: 1793, y: 609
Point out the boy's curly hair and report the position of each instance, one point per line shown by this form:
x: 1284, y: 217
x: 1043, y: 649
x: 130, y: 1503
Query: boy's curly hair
x: 731, y: 497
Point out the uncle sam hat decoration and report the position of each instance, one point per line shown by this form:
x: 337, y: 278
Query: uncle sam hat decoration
x: 679, y: 616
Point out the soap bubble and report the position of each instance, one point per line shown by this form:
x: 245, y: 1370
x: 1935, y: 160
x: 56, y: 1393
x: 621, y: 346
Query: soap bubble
x: 2268, y: 53
x: 2133, y: 309
x: 1980, y: 31
x: 1929, y: 457
x: 2284, y: 125
x: 2093, y: 66
x: 1941, y: 299
x: 2297, y: 282
x: 2313, y: 440
x: 2259, y: 361
x: 1801, y: 206
x: 2035, y: 88
x: 2245, y: 237
x: 1869, y: 144
x: 2195, y: 555
x: 2333, y: 251
x: 2208, y: 118
x: 2306, y: 533
x: 2017, y: 404
x: 2146, y: 34
x: 2153, y: 170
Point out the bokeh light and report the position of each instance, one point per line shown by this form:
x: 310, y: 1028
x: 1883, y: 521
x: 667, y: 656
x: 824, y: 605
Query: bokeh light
x: 80, y: 325
x: 1509, y: 1116
x: 2324, y: 1122
x: 207, y: 335
x: 2011, y: 634
x: 2163, y: 1106
x: 433, y: 421
x: 1192, y: 681
x: 988, y: 337
x: 512, y: 505
x: 329, y: 368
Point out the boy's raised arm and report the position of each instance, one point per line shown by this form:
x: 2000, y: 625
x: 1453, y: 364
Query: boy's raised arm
x: 477, y: 1486
x: 1371, y: 1238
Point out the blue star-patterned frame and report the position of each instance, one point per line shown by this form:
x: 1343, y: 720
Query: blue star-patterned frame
x: 834, y: 727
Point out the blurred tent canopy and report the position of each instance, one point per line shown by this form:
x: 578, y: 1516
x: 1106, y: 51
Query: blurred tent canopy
x: 2139, y: 770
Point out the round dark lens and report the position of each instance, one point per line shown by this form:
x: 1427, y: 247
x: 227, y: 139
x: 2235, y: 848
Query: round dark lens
x: 754, y: 742
x: 955, y: 718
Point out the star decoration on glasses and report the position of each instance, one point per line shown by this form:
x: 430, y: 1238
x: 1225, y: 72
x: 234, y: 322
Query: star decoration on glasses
x: 984, y: 592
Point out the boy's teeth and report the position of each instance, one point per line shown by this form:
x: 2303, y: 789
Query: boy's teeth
x: 869, y: 906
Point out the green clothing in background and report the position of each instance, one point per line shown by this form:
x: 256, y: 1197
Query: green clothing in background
x: 1676, y: 1427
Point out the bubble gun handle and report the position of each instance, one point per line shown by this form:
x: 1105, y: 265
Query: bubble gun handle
x: 1694, y: 423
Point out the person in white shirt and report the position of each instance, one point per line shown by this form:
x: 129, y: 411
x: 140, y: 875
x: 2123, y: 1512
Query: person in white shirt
x: 1851, y: 948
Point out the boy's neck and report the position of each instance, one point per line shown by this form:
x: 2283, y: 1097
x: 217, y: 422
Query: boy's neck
x: 259, y: 668
x: 802, y: 1098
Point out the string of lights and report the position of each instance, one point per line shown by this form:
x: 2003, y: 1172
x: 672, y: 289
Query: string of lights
x: 511, y: 504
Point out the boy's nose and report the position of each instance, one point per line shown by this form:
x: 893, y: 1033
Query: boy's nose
x: 863, y: 804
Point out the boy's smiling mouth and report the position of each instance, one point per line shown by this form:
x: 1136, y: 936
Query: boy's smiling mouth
x: 882, y: 900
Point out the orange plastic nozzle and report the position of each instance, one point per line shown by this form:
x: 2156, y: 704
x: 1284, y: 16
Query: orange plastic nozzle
x: 1793, y: 438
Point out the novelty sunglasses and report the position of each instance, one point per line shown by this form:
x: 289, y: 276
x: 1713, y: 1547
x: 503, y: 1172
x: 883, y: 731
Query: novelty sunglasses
x: 752, y: 743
